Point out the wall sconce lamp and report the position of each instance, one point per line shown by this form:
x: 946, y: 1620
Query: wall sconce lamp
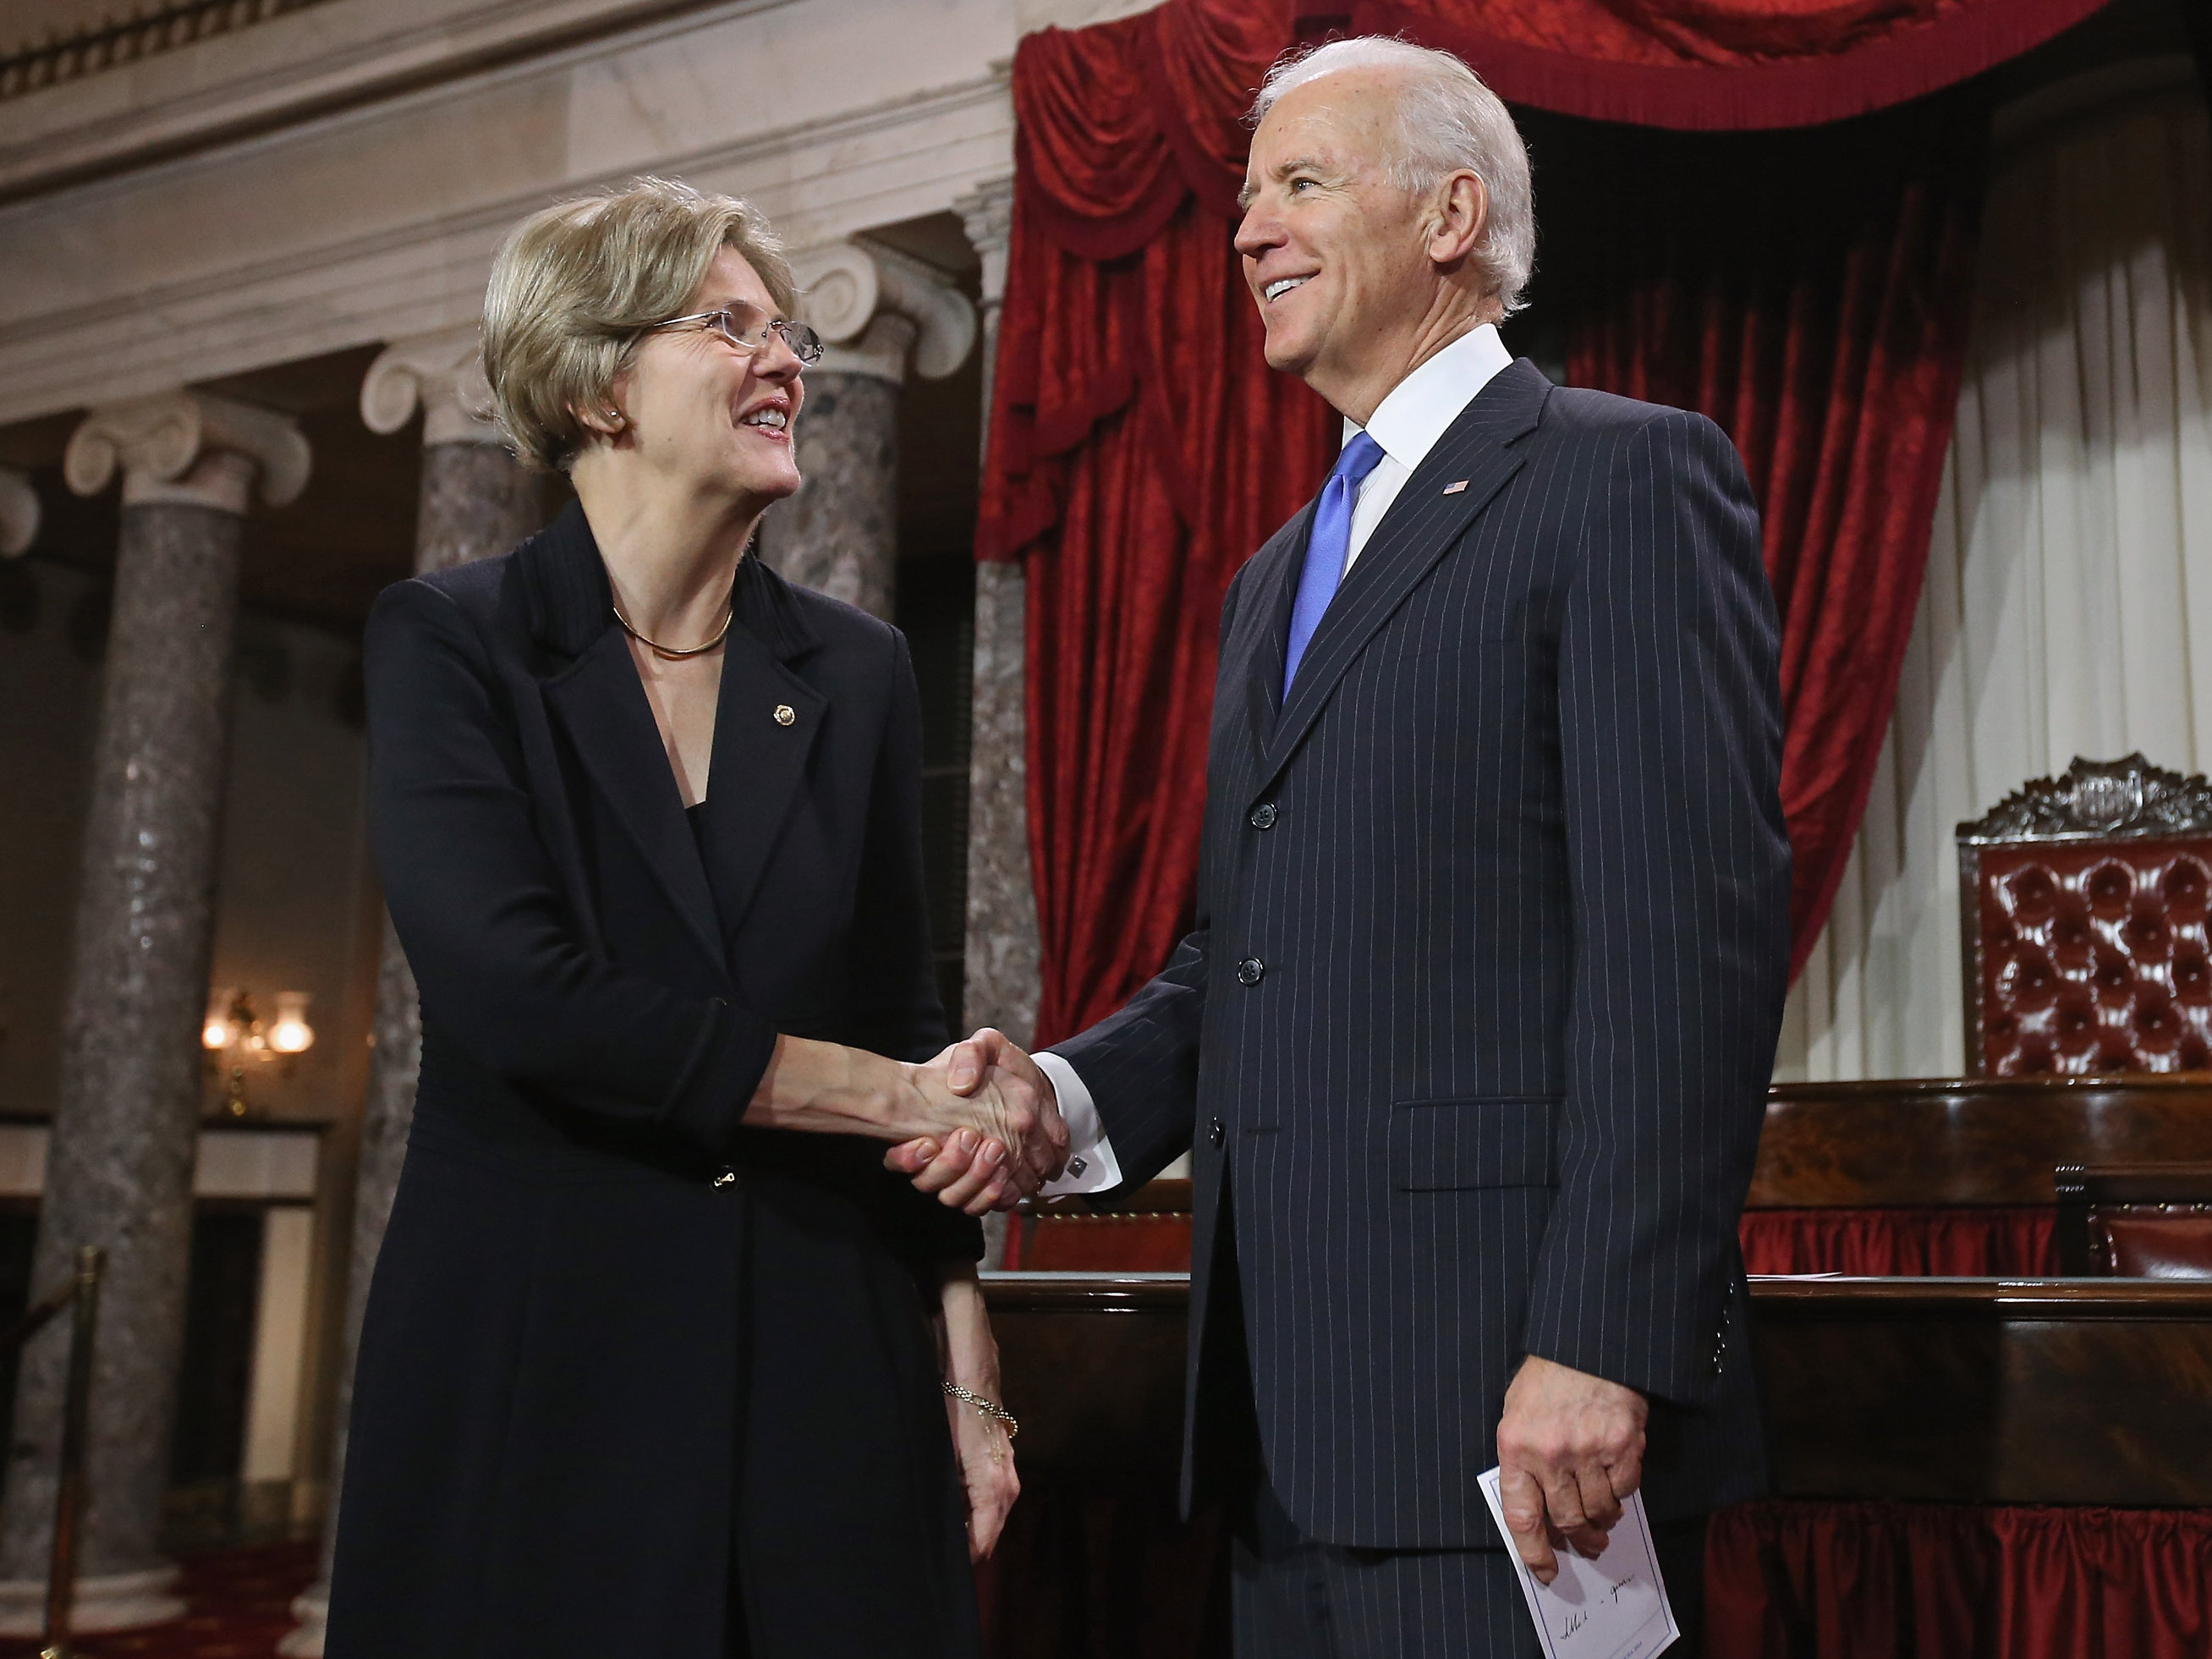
x: 290, y: 1034
x: 234, y: 1028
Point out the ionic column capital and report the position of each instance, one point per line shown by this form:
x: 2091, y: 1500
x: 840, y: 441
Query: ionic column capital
x: 19, y: 512
x: 849, y: 286
x: 443, y: 373
x: 987, y: 213
x: 190, y: 447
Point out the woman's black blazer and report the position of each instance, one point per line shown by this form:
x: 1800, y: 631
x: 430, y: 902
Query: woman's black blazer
x: 549, y: 1452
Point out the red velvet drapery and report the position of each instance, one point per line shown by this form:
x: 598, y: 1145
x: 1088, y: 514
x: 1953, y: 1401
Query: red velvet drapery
x: 1713, y: 65
x: 1808, y: 291
x: 1797, y: 1580
x: 1141, y: 449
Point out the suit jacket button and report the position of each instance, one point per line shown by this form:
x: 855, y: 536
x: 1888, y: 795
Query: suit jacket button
x: 1217, y: 1132
x: 1250, y: 971
x: 1263, y: 815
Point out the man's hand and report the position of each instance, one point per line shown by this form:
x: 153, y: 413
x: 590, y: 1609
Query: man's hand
x: 969, y: 1170
x: 1570, y: 1448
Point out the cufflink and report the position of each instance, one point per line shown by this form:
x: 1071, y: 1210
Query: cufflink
x: 1076, y: 1166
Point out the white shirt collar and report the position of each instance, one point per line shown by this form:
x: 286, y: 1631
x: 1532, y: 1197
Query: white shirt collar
x: 1419, y: 408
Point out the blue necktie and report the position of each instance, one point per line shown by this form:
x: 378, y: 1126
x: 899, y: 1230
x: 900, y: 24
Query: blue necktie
x: 1325, y: 550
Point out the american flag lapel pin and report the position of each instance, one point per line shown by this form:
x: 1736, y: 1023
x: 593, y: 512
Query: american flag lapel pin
x: 1455, y: 487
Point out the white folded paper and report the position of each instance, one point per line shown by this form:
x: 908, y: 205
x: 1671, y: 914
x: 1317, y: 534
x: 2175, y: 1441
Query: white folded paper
x: 1613, y: 1607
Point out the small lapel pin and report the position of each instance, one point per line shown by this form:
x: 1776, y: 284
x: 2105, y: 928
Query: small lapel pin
x: 784, y: 716
x: 1455, y: 487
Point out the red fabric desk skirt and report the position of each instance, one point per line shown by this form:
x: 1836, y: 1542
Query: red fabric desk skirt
x: 1952, y: 1243
x: 1788, y: 1579
x: 1978, y: 1243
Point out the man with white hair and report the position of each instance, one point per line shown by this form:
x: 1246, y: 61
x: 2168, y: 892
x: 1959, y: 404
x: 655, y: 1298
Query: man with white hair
x: 1472, y: 1037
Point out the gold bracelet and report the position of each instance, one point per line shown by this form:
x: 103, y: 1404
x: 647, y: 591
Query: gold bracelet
x: 990, y: 1408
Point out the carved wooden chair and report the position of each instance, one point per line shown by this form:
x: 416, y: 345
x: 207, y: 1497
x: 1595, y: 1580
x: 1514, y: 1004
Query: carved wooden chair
x: 2135, y: 1220
x: 2083, y: 905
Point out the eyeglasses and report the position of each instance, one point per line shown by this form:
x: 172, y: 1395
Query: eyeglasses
x: 806, y: 344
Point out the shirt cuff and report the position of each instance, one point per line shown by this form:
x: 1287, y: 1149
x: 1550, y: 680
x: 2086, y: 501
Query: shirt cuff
x: 1090, y: 1164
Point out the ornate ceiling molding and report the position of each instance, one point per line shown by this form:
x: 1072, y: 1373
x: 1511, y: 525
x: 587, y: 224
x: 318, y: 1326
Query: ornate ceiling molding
x: 240, y: 81
x: 72, y: 337
x: 56, y: 60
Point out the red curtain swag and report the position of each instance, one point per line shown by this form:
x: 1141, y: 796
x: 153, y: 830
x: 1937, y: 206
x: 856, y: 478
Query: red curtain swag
x: 1140, y: 448
x: 1712, y: 65
x: 1797, y: 1580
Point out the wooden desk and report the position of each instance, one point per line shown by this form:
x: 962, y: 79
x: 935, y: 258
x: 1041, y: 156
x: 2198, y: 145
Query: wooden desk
x: 1967, y: 1140
x: 2054, y: 1391
x: 1092, y: 1364
x: 1981, y: 1390
x: 1908, y: 1144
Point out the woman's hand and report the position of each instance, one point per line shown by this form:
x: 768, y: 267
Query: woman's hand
x: 1022, y: 1137
x: 969, y: 1169
x: 827, y: 1088
x: 983, y: 1444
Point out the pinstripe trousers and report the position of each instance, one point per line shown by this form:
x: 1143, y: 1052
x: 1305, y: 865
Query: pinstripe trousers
x: 1292, y: 1597
x: 1296, y: 1597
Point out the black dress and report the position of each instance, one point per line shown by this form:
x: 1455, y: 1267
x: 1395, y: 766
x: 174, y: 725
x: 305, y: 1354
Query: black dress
x: 635, y: 1379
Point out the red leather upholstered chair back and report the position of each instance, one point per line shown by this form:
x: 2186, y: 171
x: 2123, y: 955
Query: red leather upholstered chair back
x: 2084, y: 906
x: 2135, y: 1220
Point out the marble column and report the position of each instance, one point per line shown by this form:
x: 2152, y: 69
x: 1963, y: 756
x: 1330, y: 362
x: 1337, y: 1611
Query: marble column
x: 475, y: 500
x: 19, y: 512
x: 879, y: 311
x: 119, y: 1160
x: 1002, y: 925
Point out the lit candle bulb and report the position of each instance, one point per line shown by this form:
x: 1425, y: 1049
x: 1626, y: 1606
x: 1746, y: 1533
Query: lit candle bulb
x: 290, y: 1034
x: 216, y: 1033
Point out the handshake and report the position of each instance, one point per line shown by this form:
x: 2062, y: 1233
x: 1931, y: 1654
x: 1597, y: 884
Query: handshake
x: 995, y: 1133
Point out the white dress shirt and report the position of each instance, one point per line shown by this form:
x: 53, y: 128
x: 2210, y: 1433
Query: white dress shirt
x: 1407, y: 425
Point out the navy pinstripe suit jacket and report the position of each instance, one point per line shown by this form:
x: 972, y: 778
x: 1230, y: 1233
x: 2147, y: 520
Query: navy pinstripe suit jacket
x: 1480, y: 1010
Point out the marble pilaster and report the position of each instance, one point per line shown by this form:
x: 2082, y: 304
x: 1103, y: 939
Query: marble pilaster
x: 477, y: 501
x: 839, y: 534
x: 880, y: 311
x: 19, y: 512
x: 119, y: 1159
x: 1002, y: 927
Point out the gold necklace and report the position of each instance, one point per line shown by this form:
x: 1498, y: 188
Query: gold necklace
x: 721, y: 634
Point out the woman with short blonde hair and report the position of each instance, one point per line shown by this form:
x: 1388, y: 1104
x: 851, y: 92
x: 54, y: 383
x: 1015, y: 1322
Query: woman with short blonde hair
x: 659, y: 1358
x: 576, y: 284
